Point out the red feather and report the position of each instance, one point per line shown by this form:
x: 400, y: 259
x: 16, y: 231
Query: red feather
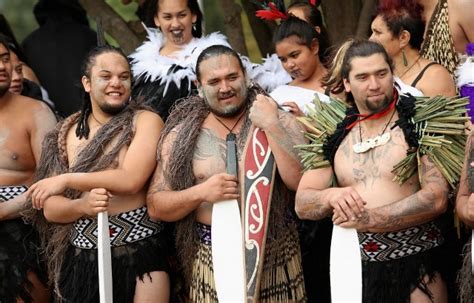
x: 272, y: 14
x: 313, y: 2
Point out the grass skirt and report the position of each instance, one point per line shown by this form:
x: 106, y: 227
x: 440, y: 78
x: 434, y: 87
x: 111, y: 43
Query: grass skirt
x: 78, y: 281
x: 282, y: 277
x: 393, y: 281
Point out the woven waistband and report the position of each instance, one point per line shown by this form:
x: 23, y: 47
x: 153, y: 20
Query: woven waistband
x: 403, y: 243
x: 10, y: 192
x: 204, y: 233
x: 124, y: 228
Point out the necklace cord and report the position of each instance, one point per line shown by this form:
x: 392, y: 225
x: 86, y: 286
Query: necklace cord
x: 383, y: 130
x: 235, y: 124
x: 96, y: 120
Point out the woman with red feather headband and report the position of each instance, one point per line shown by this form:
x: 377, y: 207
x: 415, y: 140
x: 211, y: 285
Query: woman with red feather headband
x: 399, y: 27
x: 301, y: 48
x: 309, y: 12
x: 305, y: 10
x: 297, y: 44
x: 299, y: 41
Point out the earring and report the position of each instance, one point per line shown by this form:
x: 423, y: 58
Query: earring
x: 194, y: 26
x: 159, y: 28
x: 404, y: 58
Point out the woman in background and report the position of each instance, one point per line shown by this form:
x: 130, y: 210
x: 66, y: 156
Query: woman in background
x: 163, y: 66
x: 399, y: 27
x: 297, y: 47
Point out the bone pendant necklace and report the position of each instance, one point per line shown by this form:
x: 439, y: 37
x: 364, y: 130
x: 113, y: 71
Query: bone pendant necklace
x: 370, y: 143
x: 362, y: 147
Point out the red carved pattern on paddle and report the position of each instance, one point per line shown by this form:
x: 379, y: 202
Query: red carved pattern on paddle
x: 258, y: 184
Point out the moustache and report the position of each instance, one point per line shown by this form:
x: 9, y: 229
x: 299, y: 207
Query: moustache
x: 226, y: 95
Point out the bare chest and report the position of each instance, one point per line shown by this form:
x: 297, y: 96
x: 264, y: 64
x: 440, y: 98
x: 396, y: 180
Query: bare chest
x: 372, y: 166
x: 76, y: 147
x: 210, y: 156
x: 15, y: 146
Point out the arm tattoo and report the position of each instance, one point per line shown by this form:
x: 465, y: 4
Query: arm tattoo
x: 157, y: 185
x: 415, y: 209
x: 313, y: 208
x: 400, y: 215
x: 287, y: 132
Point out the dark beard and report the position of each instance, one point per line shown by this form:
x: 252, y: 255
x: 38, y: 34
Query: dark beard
x: 383, y: 105
x: 113, y: 110
x: 235, y: 111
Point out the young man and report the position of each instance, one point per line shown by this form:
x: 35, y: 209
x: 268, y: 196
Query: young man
x: 191, y: 175
x: 101, y: 159
x: 399, y: 238
x: 24, y: 123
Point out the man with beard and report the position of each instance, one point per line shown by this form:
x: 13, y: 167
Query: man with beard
x: 100, y: 159
x: 24, y: 123
x: 191, y: 175
x: 399, y: 239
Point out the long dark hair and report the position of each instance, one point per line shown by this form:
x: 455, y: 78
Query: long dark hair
x: 315, y: 18
x: 214, y: 51
x: 341, y: 63
x: 294, y: 26
x: 82, y: 130
x: 154, y: 5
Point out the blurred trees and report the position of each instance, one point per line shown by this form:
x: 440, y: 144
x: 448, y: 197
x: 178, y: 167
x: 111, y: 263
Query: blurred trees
x: 235, y: 18
x: 20, y: 16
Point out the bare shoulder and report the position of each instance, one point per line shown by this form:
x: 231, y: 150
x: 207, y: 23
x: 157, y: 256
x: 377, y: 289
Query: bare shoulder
x: 28, y: 104
x: 37, y: 113
x: 437, y: 72
x: 461, y: 12
x: 438, y: 81
x: 166, y: 143
x: 462, y: 6
x: 147, y: 116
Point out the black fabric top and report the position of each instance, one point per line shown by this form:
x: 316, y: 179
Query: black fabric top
x: 151, y: 93
x: 420, y: 75
x: 55, y: 52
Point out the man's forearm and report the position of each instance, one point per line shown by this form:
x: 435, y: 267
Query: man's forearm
x: 282, y: 142
x: 12, y: 208
x: 115, y: 180
x: 421, y: 207
x: 172, y: 206
x: 310, y: 205
x: 462, y: 210
x: 62, y: 210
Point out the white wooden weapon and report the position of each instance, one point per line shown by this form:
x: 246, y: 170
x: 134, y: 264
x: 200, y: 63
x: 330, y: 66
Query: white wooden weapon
x: 105, y: 259
x: 227, y: 241
x: 345, y: 266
